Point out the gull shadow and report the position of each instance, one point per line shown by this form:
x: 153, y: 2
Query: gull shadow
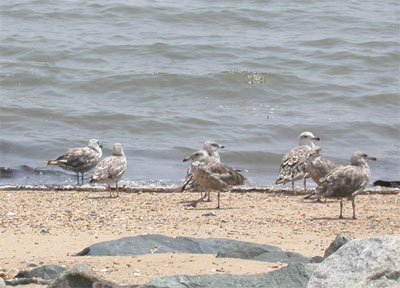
x: 334, y: 219
x: 213, y: 208
x: 101, y: 197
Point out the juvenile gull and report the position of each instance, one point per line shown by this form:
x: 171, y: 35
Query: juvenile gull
x: 79, y: 160
x: 318, y: 167
x: 212, y: 175
x: 212, y: 150
x: 345, y: 181
x: 111, y: 169
x: 294, y: 163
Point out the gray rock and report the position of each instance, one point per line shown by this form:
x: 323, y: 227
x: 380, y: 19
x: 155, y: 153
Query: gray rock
x: 141, y: 245
x: 26, y: 281
x: 373, y: 262
x: 2, y: 284
x: 257, y: 252
x: 80, y: 276
x: 339, y: 241
x: 46, y: 272
x: 293, y: 276
x: 111, y: 285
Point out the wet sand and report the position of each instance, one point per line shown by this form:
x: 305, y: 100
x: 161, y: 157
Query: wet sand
x: 48, y: 227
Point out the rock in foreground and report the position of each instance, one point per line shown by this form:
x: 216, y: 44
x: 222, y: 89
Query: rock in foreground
x: 373, y: 262
x: 251, y: 251
x: 46, y: 272
x: 146, y: 244
x: 293, y: 276
x: 339, y: 241
x: 80, y: 276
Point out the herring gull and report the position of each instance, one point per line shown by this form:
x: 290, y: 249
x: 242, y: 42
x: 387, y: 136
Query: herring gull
x: 111, y: 169
x: 79, y: 160
x: 294, y: 163
x: 345, y: 181
x: 318, y: 167
x: 212, y: 175
x: 212, y: 149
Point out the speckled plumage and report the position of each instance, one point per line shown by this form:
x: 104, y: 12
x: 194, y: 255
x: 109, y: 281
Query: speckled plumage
x: 111, y: 169
x: 294, y: 164
x: 345, y: 181
x: 212, y: 149
x: 212, y: 175
x: 318, y: 167
x: 79, y: 160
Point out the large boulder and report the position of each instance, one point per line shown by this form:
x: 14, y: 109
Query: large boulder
x: 373, y: 262
x: 293, y: 276
x: 146, y: 244
x: 80, y: 276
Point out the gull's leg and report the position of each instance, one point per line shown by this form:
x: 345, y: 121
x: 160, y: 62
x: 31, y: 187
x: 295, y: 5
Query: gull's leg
x: 353, y: 203
x: 77, y: 177
x: 219, y: 196
x: 208, y: 198
x: 116, y: 187
x: 305, y: 184
x: 341, y: 208
x: 293, y: 185
x: 109, y: 188
x: 194, y: 203
x: 82, y: 177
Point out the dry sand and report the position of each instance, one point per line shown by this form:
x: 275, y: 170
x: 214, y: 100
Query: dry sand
x: 48, y: 227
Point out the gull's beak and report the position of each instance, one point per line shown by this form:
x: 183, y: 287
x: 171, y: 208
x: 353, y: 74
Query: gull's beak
x: 221, y: 146
x: 316, y: 138
x: 371, y: 159
x: 101, y: 145
x: 187, y: 159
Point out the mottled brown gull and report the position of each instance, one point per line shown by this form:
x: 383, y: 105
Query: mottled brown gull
x: 212, y: 149
x: 345, y: 181
x: 79, y: 160
x: 212, y: 175
x: 294, y: 164
x: 111, y: 169
x: 318, y: 167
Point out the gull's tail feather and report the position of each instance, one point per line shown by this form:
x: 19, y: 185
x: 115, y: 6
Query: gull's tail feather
x: 54, y: 162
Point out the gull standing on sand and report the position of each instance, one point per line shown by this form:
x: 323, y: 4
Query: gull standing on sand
x: 79, y: 160
x: 318, y: 167
x: 212, y: 175
x: 345, y: 181
x: 111, y: 169
x: 294, y: 163
x: 212, y: 150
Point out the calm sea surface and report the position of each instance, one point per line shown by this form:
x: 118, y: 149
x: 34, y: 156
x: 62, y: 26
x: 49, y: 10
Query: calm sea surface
x: 162, y: 77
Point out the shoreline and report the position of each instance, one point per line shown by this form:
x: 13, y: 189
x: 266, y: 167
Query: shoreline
x: 371, y: 190
x: 48, y: 227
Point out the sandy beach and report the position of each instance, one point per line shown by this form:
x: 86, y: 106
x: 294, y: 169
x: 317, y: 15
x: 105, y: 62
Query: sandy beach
x: 49, y: 227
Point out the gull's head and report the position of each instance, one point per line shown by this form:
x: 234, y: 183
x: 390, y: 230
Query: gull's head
x: 95, y: 144
x: 307, y: 138
x: 360, y: 158
x: 198, y: 156
x: 316, y: 151
x: 212, y: 147
x: 118, y: 150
